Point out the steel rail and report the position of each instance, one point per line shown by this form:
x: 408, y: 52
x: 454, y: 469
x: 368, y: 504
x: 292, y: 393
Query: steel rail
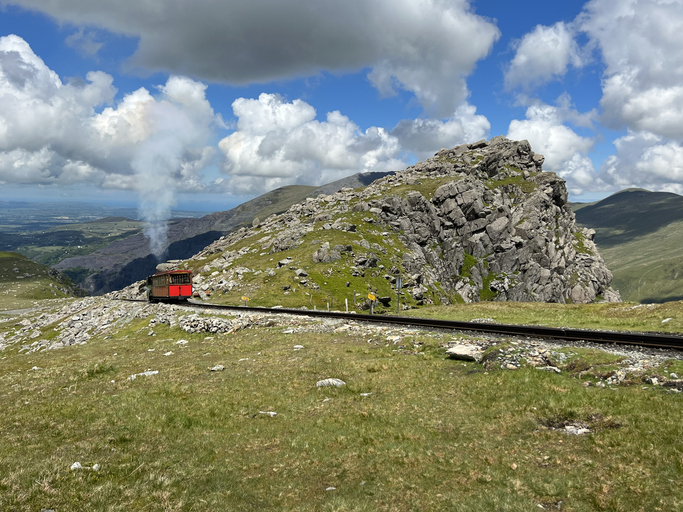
x: 643, y: 339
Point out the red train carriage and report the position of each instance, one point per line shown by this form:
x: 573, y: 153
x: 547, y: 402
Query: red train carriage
x: 175, y: 285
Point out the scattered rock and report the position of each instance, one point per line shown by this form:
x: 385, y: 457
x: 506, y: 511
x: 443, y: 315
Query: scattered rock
x: 217, y: 368
x: 576, y: 430
x: 549, y: 369
x: 465, y: 353
x: 330, y: 382
x: 143, y: 374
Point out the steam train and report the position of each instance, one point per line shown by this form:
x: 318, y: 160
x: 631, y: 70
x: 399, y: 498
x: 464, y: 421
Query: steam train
x: 170, y: 286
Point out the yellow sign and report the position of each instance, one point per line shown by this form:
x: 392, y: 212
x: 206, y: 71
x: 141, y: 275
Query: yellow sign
x: 245, y: 298
x: 371, y: 296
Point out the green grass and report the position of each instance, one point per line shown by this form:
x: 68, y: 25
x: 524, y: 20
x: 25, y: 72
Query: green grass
x: 526, y: 186
x: 23, y: 282
x: 435, y: 434
x: 609, y: 316
x: 332, y: 278
x: 426, y: 186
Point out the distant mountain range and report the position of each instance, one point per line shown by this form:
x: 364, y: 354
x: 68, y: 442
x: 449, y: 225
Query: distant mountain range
x: 639, y: 235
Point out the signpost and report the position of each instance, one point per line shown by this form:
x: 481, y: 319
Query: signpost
x: 372, y: 298
x: 246, y: 300
x: 399, y: 285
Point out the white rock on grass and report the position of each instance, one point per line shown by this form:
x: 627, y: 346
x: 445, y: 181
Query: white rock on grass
x: 576, y: 430
x: 143, y: 374
x: 330, y: 382
x: 217, y: 368
x: 465, y: 353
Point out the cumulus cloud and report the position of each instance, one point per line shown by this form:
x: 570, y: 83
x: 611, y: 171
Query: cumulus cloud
x: 84, y: 42
x: 51, y: 133
x: 641, y: 43
x: 424, y: 137
x: 427, y: 47
x: 48, y: 129
x: 645, y: 160
x: 280, y: 143
x: 564, y: 150
x: 543, y: 55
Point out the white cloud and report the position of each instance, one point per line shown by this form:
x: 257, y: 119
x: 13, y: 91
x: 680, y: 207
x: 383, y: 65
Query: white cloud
x: 647, y: 161
x: 543, y: 55
x: 424, y: 46
x: 424, y: 137
x: 564, y: 150
x: 280, y: 143
x: 641, y: 42
x: 51, y: 134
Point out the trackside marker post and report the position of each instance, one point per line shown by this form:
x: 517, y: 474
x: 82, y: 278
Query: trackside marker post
x: 372, y: 298
x: 246, y: 300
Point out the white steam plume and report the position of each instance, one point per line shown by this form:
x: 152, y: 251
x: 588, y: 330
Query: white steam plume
x: 171, y: 155
x: 155, y: 165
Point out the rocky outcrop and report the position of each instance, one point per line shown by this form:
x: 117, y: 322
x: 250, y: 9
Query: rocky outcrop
x: 476, y: 222
x: 501, y: 230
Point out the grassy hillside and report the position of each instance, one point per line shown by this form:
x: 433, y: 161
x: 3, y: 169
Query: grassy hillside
x: 411, y: 430
x: 639, y: 234
x: 23, y: 282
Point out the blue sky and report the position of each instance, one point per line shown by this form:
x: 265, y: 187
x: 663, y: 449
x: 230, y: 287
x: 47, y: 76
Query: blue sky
x: 205, y: 104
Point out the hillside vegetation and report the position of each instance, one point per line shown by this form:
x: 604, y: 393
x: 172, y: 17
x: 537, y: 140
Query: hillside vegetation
x: 129, y: 259
x: 639, y: 235
x: 23, y: 282
x: 51, y: 246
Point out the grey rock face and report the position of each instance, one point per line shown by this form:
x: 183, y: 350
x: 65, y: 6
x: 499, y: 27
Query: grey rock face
x: 475, y: 222
x: 500, y: 230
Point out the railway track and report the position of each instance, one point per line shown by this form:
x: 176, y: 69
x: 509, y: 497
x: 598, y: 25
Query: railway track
x: 647, y: 339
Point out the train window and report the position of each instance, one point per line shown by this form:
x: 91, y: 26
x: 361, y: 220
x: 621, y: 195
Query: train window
x: 180, y: 278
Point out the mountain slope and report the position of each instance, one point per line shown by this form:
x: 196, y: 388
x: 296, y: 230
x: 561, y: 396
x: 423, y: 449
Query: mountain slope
x: 477, y: 222
x: 129, y: 259
x: 124, y: 261
x: 639, y: 234
x: 23, y: 281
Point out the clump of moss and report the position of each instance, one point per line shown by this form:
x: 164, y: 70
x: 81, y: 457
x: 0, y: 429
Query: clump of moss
x: 526, y: 186
x: 580, y: 244
x: 470, y: 261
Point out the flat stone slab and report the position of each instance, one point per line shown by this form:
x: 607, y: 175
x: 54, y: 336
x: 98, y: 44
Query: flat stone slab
x: 465, y: 353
